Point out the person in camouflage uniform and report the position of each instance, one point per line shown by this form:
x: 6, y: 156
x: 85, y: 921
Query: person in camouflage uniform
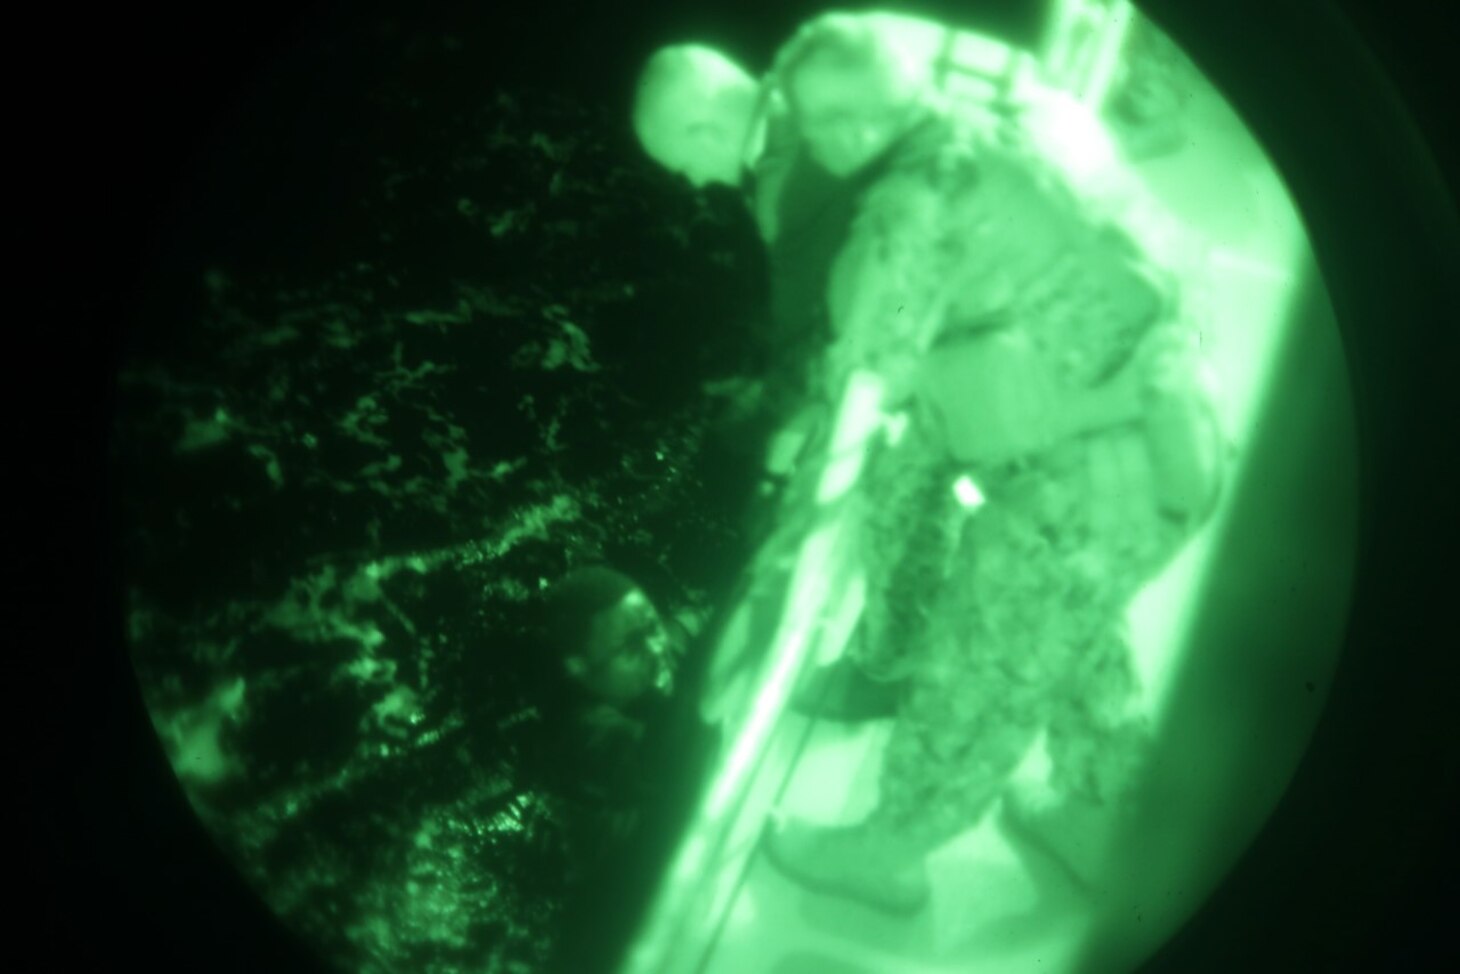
x: 1039, y: 352
x: 1034, y: 349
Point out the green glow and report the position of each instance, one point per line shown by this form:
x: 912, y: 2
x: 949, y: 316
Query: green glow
x: 193, y: 735
x: 201, y: 433
x: 808, y: 592
x: 858, y: 419
x: 347, y: 523
x: 967, y: 492
x: 1228, y: 257
x: 762, y: 715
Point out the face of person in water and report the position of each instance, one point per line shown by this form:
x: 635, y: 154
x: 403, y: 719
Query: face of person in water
x: 627, y: 654
x: 846, y: 114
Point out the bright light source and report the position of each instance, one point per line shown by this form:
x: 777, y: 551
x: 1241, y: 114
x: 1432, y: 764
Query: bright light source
x: 967, y: 492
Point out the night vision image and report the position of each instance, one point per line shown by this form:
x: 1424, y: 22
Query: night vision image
x: 873, y: 493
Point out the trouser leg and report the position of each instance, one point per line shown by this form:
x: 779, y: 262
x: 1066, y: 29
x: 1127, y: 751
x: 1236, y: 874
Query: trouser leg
x: 999, y: 651
x: 1097, y: 740
x: 909, y: 527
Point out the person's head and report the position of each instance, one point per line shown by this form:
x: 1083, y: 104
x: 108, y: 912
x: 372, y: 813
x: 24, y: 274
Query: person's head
x: 852, y: 93
x: 611, y: 639
x: 693, y: 109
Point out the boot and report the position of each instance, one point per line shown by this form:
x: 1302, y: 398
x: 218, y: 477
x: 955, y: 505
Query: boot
x: 1075, y: 832
x: 851, y: 862
x: 843, y: 692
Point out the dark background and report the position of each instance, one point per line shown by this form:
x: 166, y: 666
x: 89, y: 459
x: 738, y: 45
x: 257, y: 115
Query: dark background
x: 117, y: 108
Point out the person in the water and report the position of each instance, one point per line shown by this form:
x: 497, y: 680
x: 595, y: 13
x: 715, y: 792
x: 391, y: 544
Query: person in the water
x: 629, y: 753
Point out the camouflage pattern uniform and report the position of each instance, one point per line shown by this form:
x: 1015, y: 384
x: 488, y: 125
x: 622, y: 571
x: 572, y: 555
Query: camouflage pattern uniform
x: 803, y: 215
x: 1008, y: 620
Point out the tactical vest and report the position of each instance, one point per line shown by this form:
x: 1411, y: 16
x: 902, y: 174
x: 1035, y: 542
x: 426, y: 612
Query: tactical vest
x: 1015, y: 247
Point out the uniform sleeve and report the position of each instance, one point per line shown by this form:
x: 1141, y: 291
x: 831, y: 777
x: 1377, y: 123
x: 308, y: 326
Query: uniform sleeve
x: 889, y: 285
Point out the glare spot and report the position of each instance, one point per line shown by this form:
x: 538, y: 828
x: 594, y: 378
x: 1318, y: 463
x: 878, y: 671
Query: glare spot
x: 967, y: 492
